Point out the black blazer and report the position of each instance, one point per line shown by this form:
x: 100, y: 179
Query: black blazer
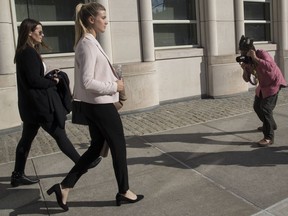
x: 33, y: 100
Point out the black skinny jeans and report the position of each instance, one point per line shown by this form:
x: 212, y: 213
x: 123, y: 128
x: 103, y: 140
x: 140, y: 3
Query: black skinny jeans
x: 28, y: 134
x: 264, y: 109
x: 104, y: 124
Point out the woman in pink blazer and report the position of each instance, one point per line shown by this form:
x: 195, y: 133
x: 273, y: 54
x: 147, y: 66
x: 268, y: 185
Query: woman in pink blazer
x: 98, y: 87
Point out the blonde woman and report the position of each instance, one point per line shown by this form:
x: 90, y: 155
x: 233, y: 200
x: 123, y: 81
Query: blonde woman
x: 98, y: 87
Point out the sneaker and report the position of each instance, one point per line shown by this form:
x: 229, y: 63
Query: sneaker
x: 265, y: 142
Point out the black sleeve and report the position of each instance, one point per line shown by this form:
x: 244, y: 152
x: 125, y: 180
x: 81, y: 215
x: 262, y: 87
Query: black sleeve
x: 31, y: 67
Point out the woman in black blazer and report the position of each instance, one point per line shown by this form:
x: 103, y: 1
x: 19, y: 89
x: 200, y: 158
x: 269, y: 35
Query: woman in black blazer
x: 35, y: 96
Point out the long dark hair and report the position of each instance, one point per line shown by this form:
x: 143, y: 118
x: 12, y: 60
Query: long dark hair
x: 28, y: 25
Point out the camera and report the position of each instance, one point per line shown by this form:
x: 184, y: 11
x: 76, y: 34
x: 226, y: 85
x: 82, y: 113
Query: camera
x: 245, y: 44
x: 245, y: 59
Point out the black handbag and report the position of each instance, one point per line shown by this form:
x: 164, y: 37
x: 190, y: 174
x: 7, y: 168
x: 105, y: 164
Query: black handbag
x: 78, y: 117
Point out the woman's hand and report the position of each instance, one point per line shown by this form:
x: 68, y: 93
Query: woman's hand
x: 55, y: 76
x: 120, y: 85
x: 56, y: 79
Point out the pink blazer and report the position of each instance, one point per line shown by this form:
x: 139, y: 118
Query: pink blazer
x: 269, y: 75
x: 95, y: 81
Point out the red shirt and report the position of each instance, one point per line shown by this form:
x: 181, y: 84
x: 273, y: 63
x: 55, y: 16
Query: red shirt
x: 269, y: 75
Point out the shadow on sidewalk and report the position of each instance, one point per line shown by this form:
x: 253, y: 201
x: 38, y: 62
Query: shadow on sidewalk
x: 20, y: 201
x: 272, y: 156
x: 201, y: 138
x: 51, y: 207
x: 256, y: 157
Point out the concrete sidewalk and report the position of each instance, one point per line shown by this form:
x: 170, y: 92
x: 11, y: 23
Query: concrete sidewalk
x: 205, y: 168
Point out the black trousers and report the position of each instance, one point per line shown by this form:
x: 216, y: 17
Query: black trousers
x: 264, y: 109
x: 104, y: 124
x: 28, y: 134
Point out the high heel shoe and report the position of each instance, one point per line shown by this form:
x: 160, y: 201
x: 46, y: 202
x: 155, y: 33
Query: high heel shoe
x: 57, y: 190
x: 120, y: 199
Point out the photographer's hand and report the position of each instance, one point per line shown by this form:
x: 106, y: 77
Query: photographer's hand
x: 245, y: 74
x: 243, y: 65
x: 252, y: 54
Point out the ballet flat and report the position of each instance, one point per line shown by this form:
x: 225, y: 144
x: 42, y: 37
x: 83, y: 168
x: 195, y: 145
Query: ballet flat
x: 120, y: 199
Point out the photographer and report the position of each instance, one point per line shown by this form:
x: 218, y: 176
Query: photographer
x: 270, y: 81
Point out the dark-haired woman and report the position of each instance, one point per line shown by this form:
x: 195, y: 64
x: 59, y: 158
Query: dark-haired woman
x: 34, y: 92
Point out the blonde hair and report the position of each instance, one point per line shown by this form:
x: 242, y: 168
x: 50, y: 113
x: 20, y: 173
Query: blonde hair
x: 83, y: 12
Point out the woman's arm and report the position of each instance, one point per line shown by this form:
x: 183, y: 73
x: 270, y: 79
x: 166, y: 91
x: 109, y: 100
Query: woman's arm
x: 30, y: 63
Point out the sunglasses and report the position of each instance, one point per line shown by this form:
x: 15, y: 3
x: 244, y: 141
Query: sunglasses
x: 41, y: 33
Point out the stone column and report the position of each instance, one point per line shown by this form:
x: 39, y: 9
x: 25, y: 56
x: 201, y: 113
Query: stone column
x: 224, y: 74
x: 239, y: 20
x: 212, y: 27
x: 147, y: 30
x: 283, y: 34
x: 9, y: 116
x: 7, y: 47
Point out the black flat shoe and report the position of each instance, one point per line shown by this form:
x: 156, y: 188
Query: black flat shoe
x: 57, y: 190
x: 120, y: 199
x: 21, y: 179
x: 95, y: 163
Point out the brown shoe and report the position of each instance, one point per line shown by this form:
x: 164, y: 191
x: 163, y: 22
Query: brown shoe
x: 265, y: 142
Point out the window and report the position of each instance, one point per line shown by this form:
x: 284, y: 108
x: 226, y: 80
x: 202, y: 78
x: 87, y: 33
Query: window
x: 57, y: 18
x: 174, y: 23
x: 257, y: 20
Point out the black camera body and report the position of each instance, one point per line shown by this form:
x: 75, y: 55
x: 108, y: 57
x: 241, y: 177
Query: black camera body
x: 245, y: 44
x: 245, y: 59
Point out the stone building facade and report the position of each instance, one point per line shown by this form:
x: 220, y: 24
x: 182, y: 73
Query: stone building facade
x: 169, y: 50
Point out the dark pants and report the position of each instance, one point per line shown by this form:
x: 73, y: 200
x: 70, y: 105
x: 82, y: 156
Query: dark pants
x: 264, y: 109
x: 104, y: 124
x: 28, y: 134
